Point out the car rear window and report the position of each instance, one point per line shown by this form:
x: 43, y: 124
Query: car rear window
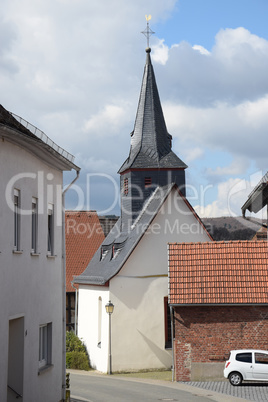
x: 244, y: 357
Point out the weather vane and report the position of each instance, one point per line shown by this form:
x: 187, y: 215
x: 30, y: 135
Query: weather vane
x: 148, y: 32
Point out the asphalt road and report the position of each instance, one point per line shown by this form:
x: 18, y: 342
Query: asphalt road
x: 92, y: 387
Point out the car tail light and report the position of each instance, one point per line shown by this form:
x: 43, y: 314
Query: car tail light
x: 227, y: 364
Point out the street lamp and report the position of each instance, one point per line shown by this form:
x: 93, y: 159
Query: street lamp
x: 109, y: 310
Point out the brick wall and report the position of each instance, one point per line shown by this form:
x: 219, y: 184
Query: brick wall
x: 207, y: 334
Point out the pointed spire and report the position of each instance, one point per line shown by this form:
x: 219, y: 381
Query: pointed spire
x: 150, y: 140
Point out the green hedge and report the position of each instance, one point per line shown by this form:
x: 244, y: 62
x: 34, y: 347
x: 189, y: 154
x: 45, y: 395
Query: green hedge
x: 76, y: 353
x: 77, y: 360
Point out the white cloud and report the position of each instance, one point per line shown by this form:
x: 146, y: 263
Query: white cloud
x: 234, y: 72
x: 92, y: 164
x: 239, y: 129
x: 74, y: 69
x: 238, y: 45
x: 201, y: 49
x: 237, y: 167
x: 231, y: 196
x: 193, y: 154
x: 111, y: 116
x: 160, y: 52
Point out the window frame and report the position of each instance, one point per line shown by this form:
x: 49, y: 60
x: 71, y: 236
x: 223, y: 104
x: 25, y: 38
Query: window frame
x: 45, y: 345
x: 258, y: 355
x: 244, y: 357
x: 17, y: 219
x: 50, y: 230
x: 34, y: 234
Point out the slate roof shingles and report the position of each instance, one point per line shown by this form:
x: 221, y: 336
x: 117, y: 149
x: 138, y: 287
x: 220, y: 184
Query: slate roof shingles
x: 150, y: 140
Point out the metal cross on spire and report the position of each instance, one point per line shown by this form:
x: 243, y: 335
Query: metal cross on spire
x: 148, y: 32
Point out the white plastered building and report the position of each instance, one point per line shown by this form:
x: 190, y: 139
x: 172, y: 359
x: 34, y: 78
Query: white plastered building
x: 130, y: 269
x: 32, y: 269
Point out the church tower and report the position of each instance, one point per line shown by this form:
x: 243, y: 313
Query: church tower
x: 151, y: 162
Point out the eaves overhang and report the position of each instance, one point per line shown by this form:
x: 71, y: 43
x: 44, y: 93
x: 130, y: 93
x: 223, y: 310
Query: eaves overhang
x: 37, y: 147
x: 258, y: 197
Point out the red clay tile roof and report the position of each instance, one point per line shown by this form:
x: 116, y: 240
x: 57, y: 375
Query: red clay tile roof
x: 83, y: 236
x: 218, y: 272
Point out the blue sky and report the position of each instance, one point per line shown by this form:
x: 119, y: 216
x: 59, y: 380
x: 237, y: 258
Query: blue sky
x: 74, y: 68
x: 198, y: 22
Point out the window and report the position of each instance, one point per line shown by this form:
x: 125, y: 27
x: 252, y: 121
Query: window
x: 147, y: 182
x: 45, y: 345
x: 104, y: 252
x: 34, y: 225
x: 244, y: 357
x: 16, y: 220
x: 50, y: 230
x: 126, y: 186
x: 168, y: 336
x: 261, y: 358
x: 116, y: 250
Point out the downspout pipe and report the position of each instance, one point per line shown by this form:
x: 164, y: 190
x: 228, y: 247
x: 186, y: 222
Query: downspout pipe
x: 64, y: 286
x: 172, y: 339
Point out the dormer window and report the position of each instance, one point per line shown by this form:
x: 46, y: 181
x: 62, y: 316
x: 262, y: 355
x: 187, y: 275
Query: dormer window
x: 147, y: 182
x: 126, y: 186
x: 116, y: 251
x: 104, y: 252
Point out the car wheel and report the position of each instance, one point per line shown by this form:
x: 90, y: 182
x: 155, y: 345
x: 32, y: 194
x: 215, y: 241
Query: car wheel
x: 235, y: 378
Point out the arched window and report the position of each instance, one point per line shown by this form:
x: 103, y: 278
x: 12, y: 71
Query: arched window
x: 99, y: 321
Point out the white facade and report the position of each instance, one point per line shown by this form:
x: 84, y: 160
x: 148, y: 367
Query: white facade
x: 138, y: 292
x: 32, y: 276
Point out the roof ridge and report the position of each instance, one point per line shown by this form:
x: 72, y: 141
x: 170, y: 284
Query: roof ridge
x: 144, y: 208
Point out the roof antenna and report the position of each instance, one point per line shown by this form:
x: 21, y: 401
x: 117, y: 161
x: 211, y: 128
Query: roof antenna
x: 148, y: 32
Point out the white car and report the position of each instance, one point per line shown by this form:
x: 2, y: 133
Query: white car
x: 246, y: 364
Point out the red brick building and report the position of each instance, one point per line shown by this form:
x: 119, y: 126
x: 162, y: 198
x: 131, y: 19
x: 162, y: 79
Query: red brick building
x: 219, y: 295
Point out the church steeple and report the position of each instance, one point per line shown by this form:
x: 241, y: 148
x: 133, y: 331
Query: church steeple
x: 150, y: 141
x: 151, y: 162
